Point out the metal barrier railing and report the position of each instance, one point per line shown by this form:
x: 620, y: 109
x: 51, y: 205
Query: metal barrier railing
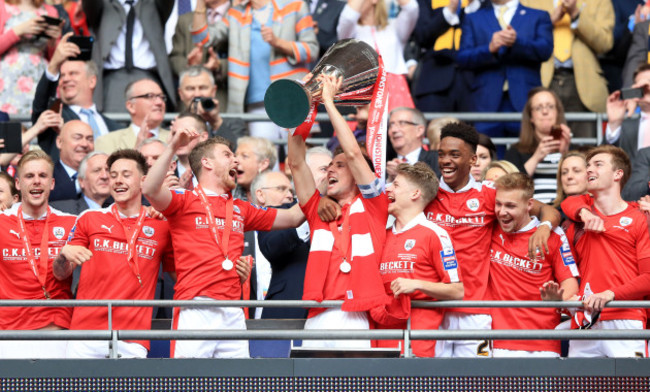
x: 405, y: 335
x: 597, y: 118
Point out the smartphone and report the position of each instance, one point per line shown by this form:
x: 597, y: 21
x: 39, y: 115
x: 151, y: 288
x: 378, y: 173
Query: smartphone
x: 556, y: 132
x: 52, y: 21
x: 85, y: 44
x: 12, y: 133
x: 629, y: 93
x: 54, y: 105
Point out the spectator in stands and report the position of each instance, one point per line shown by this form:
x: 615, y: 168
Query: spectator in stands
x: 627, y: 14
x: 23, y: 227
x: 146, y: 104
x: 433, y: 130
x: 206, y: 271
x: 128, y: 46
x: 151, y: 149
x: 26, y: 44
x: 254, y: 155
x: 76, y: 82
x: 619, y: 230
x: 553, y: 276
x: 582, y: 30
x: 93, y: 180
x: 185, y: 53
x: 465, y: 208
x: 486, y: 152
x: 406, y: 134
x: 438, y: 33
x: 326, y: 15
x: 496, y: 169
x: 266, y: 54
x: 110, y: 273
x: 47, y: 119
x: 74, y: 142
x: 571, y: 176
x: 630, y: 134
x: 8, y: 192
x: 360, y: 123
x: 269, y: 189
x: 637, y: 54
x: 504, y: 45
x: 639, y: 182
x: 538, y: 150
x: 367, y: 20
x: 331, y: 271
x: 183, y: 169
x: 197, y: 82
x: 318, y: 160
x: 418, y: 261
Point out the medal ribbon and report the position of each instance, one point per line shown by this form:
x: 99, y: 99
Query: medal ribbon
x: 225, y: 238
x: 132, y: 237
x: 40, y: 270
x: 342, y: 239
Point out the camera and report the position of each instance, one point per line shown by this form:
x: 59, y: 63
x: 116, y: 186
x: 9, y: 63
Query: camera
x: 206, y: 102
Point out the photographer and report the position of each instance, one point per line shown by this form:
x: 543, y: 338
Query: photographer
x: 197, y: 91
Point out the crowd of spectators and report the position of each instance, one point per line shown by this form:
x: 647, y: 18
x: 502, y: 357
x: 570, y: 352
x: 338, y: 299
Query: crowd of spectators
x: 538, y: 58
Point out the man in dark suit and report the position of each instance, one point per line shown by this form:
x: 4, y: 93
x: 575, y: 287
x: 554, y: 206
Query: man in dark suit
x: 630, y: 134
x: 74, y: 142
x: 406, y: 128
x: 638, y: 52
x: 438, y: 33
x: 639, y: 183
x: 93, y: 180
x: 505, y: 46
x: 4, y: 116
x: 325, y: 14
x: 76, y: 81
x: 126, y: 55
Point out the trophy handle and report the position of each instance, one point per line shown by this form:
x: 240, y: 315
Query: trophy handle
x: 287, y: 103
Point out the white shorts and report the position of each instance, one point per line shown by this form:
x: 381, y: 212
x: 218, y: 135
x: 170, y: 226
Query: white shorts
x: 209, y: 318
x: 99, y: 349
x: 464, y: 348
x: 504, y: 353
x: 32, y: 349
x: 610, y: 348
x: 337, y: 319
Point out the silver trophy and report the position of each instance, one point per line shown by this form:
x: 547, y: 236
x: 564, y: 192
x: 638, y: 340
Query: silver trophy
x: 288, y: 102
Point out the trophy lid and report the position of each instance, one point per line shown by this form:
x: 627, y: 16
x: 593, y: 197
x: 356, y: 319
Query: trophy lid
x: 287, y: 103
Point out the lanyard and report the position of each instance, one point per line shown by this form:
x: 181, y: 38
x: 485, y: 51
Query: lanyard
x: 31, y: 258
x: 131, y: 237
x: 342, y: 240
x: 225, y: 238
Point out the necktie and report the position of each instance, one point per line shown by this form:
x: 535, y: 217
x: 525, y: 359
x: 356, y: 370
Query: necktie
x: 130, y: 21
x: 213, y: 16
x: 501, y: 18
x: 563, y: 39
x: 77, y: 188
x: 90, y: 114
x: 184, y: 6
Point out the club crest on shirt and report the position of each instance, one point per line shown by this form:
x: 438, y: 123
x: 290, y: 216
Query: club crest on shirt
x: 625, y: 221
x: 409, y: 244
x: 58, y: 232
x: 148, y: 231
x: 473, y: 204
x: 236, y: 210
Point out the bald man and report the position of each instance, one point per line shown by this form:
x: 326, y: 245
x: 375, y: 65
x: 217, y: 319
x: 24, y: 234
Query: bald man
x: 74, y: 142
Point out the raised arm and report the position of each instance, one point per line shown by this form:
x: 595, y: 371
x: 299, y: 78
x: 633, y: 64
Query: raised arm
x: 302, y: 177
x: 153, y: 187
x: 356, y: 161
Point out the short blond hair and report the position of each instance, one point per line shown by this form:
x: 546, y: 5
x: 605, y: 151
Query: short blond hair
x: 516, y: 181
x: 422, y: 177
x: 35, y: 155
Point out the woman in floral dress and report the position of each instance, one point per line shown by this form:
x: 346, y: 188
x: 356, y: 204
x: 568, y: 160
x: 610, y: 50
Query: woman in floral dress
x: 26, y: 44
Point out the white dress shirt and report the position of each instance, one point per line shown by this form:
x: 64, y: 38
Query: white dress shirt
x: 143, y: 57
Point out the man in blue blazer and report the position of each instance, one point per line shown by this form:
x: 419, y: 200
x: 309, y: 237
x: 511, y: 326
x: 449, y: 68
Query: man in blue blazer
x: 504, y: 45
